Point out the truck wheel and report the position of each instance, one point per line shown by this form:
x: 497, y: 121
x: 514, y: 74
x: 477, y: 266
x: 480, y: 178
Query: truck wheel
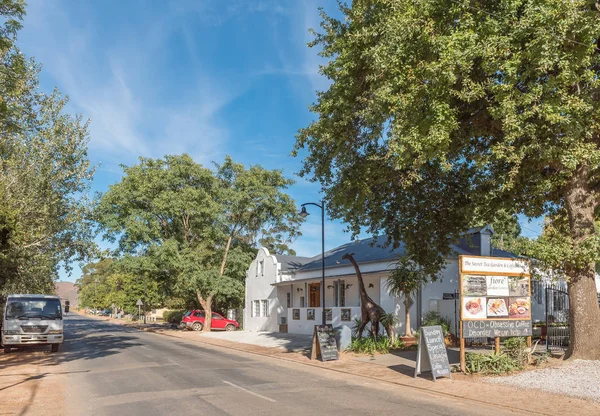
x: 55, y: 347
x: 197, y: 326
x: 230, y: 327
x: 6, y: 349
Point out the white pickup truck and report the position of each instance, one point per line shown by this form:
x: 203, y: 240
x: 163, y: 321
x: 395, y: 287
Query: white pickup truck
x: 32, y: 320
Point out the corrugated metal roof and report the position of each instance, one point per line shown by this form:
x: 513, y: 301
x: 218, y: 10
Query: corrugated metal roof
x: 291, y: 262
x: 373, y: 249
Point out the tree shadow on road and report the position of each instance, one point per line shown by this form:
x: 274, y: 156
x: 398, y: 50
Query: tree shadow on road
x: 83, y: 341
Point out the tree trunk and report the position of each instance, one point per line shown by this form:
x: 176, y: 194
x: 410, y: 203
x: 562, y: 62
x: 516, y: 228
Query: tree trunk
x: 584, y: 313
x: 391, y: 333
x: 207, y: 306
x: 222, y: 269
x: 408, y: 331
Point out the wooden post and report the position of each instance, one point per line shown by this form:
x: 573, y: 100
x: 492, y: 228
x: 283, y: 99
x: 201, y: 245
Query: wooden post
x: 463, y: 360
x: 528, y: 342
x: 497, y: 345
x: 315, y: 350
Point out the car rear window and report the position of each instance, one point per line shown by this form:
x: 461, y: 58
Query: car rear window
x: 188, y: 313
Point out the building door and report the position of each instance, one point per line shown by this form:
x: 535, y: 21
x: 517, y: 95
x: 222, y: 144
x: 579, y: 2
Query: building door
x: 314, y: 292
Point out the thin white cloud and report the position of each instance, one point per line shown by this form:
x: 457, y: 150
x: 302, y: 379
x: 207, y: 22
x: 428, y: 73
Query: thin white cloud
x: 113, y: 85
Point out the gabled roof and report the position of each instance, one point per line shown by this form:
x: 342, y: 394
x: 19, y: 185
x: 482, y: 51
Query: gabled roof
x: 480, y: 229
x: 496, y: 252
x: 290, y: 262
x: 365, y: 250
x: 373, y: 249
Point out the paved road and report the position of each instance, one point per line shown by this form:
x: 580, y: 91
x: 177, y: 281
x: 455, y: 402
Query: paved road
x: 114, y: 370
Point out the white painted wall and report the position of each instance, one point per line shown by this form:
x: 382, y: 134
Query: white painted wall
x: 259, y: 287
x: 259, y: 281
x: 305, y: 326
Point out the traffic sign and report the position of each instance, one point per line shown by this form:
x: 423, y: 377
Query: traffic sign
x: 139, y: 303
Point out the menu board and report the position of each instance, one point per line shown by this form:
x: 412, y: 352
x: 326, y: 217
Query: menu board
x: 504, y: 297
x: 432, y: 355
x: 324, y: 343
x: 495, y: 289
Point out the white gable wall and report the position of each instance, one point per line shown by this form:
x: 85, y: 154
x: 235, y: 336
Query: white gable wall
x: 263, y: 271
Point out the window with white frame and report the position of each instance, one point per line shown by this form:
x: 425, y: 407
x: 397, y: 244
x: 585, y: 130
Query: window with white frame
x: 257, y: 308
x: 261, y: 268
x: 288, y: 296
x: 265, y: 308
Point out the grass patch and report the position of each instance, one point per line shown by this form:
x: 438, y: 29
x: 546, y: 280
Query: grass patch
x: 495, y: 364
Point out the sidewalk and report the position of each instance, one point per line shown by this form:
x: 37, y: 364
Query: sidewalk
x: 461, y: 386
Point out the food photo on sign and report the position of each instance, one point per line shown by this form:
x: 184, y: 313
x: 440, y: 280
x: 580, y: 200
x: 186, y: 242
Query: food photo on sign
x: 473, y: 308
x: 496, y: 308
x: 519, y: 308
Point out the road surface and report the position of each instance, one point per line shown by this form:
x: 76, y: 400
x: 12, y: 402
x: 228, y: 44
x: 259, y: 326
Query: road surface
x: 115, y: 370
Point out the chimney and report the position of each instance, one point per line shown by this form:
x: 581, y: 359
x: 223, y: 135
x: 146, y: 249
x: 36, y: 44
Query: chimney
x: 485, y: 235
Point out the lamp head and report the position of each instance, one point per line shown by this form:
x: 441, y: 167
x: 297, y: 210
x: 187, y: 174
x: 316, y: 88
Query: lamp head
x: 303, y: 213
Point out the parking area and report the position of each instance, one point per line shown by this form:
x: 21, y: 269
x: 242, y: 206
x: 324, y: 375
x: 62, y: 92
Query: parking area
x: 288, y: 342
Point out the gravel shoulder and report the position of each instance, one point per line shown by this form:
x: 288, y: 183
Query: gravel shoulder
x: 31, y: 384
x: 577, y: 379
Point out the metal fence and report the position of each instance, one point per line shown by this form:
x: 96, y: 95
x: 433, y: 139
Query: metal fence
x: 557, y: 319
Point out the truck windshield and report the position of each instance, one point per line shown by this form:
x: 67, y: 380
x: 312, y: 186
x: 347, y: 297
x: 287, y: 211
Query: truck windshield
x: 25, y: 308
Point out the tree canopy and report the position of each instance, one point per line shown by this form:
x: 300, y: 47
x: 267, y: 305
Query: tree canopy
x: 45, y: 173
x: 192, y: 230
x: 441, y: 111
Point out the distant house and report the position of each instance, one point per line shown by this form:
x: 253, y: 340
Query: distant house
x: 67, y: 291
x: 286, y: 290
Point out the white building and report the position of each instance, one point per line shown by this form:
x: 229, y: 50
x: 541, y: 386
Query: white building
x: 284, y: 293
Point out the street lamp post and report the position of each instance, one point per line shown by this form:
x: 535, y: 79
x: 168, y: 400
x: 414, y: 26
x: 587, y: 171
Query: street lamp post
x: 304, y: 214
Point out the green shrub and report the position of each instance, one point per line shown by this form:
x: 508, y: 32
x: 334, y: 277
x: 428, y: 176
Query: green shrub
x: 389, y: 319
x: 433, y: 318
x: 491, y: 363
x: 173, y: 317
x: 369, y: 345
x: 515, y: 349
x: 356, y: 323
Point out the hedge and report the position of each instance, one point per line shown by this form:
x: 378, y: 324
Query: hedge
x: 173, y: 317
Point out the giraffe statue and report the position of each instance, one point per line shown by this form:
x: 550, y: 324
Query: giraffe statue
x: 370, y: 311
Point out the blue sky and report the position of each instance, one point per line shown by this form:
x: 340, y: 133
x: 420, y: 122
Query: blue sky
x: 208, y: 78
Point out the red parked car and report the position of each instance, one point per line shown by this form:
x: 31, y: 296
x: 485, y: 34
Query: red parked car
x: 195, y: 320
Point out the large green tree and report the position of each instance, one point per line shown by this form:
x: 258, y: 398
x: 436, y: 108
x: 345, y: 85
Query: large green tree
x: 45, y: 173
x: 194, y: 230
x: 441, y: 110
x: 109, y: 281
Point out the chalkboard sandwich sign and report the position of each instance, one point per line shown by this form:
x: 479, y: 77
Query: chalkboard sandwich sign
x: 324, y: 343
x: 432, y: 355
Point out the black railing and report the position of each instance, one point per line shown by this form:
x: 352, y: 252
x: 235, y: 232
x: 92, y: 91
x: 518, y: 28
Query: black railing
x: 557, y: 318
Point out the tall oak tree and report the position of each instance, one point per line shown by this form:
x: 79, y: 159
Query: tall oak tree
x: 440, y: 109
